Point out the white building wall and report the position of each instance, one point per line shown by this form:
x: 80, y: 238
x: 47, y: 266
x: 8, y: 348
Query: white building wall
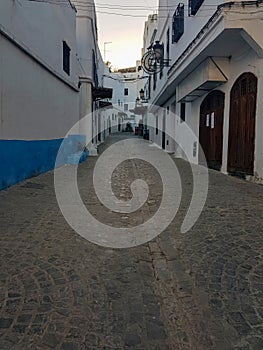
x: 38, y: 100
x: 244, y: 48
x: 150, y: 29
x: 40, y: 28
x: 119, y: 82
x: 35, y: 105
x: 89, y: 60
x: 238, y: 65
x: 193, y: 24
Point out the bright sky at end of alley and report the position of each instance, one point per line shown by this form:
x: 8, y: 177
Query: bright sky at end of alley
x: 121, y: 25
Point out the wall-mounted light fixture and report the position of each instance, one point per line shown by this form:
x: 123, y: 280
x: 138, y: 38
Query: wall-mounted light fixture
x: 141, y: 93
x: 153, y: 60
x: 141, y: 99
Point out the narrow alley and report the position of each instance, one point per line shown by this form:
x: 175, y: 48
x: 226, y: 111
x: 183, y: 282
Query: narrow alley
x: 201, y: 290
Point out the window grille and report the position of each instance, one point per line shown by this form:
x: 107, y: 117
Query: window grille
x: 66, y: 58
x: 194, y: 6
x: 178, y: 23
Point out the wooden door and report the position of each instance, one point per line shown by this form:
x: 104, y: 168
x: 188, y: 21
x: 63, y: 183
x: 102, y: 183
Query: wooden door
x: 241, y: 140
x: 211, y: 128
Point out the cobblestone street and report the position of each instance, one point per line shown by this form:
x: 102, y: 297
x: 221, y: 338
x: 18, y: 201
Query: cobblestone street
x: 202, y: 290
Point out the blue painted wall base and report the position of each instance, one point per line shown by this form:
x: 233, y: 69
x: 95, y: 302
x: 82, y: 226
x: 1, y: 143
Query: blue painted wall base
x: 77, y: 158
x: 20, y: 160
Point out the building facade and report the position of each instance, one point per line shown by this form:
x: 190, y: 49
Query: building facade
x: 213, y: 84
x: 38, y: 86
x: 89, y: 60
x: 125, y: 84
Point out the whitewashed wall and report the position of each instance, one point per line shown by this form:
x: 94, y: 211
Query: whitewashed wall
x: 88, y: 59
x: 35, y: 105
x: 245, y: 55
x: 41, y: 28
x: 39, y: 102
x: 117, y: 82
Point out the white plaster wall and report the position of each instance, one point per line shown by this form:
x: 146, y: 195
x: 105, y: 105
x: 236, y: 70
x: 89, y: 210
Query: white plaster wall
x: 186, y: 133
x: 243, y: 60
x: 86, y: 109
x: 149, y: 26
x: 87, y: 40
x: 34, y: 104
x: 41, y: 29
x: 117, y: 82
x: 101, y: 69
x: 192, y: 25
x: 89, y: 64
x: 248, y: 62
x: 103, y: 128
x: 85, y: 47
x: 170, y: 127
x: 151, y: 121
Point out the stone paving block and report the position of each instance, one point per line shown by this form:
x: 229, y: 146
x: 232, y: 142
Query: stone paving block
x: 201, y: 290
x: 5, y: 323
x: 155, y: 331
x: 132, y: 340
x: 69, y: 346
x: 161, y: 269
x: 51, y: 340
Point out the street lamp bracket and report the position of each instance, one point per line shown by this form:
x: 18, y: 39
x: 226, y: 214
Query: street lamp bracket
x: 153, y: 60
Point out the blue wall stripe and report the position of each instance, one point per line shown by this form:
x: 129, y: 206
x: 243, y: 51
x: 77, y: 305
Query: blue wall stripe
x: 20, y: 160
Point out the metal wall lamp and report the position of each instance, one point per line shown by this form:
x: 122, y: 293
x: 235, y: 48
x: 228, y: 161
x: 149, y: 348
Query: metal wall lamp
x: 141, y: 93
x: 141, y: 99
x: 153, y: 60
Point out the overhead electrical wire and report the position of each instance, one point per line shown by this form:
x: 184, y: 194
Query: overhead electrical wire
x: 171, y: 7
x: 113, y: 6
x: 125, y: 80
x: 83, y: 6
x: 87, y: 4
x: 128, y: 8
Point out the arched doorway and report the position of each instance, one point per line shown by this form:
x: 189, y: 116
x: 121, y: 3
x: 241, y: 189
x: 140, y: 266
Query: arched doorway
x: 211, y: 128
x: 241, y: 140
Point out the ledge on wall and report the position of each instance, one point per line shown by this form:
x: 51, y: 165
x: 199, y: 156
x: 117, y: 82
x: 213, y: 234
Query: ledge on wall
x: 207, y: 77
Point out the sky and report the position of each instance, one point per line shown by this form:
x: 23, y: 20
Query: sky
x: 124, y: 32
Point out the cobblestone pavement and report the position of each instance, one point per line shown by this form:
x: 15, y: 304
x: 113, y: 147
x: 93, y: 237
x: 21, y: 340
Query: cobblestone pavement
x: 202, y: 290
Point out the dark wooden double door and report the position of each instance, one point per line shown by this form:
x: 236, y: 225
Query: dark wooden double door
x: 241, y: 137
x: 211, y: 129
x: 241, y: 141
